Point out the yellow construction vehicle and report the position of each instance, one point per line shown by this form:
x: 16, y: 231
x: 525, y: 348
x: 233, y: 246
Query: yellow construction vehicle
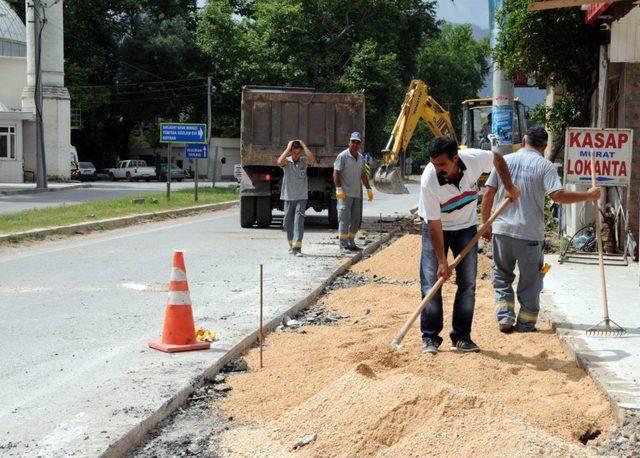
x: 418, y: 104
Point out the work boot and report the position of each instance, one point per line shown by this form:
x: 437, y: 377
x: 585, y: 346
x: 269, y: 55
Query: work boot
x: 465, y: 346
x: 429, y: 346
x: 298, y: 254
x: 506, y: 328
x: 354, y: 247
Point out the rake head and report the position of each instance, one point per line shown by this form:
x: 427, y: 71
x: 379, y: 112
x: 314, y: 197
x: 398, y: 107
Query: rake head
x: 606, y: 328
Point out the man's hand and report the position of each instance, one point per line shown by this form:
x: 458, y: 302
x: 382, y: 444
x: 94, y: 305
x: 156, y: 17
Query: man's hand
x: 340, y: 194
x: 593, y: 193
x: 443, y: 270
x: 289, y: 145
x: 304, y: 146
x: 488, y: 233
x: 369, y: 194
x: 513, y: 193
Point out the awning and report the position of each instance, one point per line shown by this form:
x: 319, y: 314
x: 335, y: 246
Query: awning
x: 594, y: 11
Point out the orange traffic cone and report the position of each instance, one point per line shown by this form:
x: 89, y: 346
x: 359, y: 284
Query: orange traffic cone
x: 179, y: 332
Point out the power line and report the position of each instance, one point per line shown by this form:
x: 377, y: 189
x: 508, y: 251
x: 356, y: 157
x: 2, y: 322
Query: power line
x: 199, y: 86
x: 201, y: 78
x: 152, y: 99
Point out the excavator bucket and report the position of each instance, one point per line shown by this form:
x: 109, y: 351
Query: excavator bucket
x: 388, y: 179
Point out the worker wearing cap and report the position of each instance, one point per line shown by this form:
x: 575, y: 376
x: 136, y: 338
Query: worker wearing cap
x: 348, y: 178
x: 294, y: 191
x: 448, y: 204
x: 518, y: 232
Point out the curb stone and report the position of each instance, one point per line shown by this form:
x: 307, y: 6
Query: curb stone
x: 14, y: 192
x: 113, y: 223
x: 125, y: 443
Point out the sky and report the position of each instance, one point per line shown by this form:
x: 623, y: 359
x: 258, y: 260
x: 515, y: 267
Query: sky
x: 465, y: 11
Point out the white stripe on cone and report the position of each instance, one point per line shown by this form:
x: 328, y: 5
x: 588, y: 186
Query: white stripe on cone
x: 178, y: 274
x: 179, y: 298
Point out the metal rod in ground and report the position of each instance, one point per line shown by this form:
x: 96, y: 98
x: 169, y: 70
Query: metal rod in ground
x: 395, y: 343
x: 261, y: 305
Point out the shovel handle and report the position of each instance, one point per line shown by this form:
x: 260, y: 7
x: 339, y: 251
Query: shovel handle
x: 395, y: 343
x: 596, y: 215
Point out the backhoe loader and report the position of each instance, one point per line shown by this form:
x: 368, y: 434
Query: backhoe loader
x: 418, y: 104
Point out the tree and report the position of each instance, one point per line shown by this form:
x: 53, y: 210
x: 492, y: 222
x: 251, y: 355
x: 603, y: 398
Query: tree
x: 557, y: 48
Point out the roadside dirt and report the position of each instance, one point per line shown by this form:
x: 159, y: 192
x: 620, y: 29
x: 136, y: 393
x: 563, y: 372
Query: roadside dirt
x: 332, y: 387
x: 522, y: 395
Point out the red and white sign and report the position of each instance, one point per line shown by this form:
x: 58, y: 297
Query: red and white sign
x: 612, y: 150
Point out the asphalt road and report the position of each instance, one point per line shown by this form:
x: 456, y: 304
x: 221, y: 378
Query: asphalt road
x: 99, y: 190
x: 78, y: 313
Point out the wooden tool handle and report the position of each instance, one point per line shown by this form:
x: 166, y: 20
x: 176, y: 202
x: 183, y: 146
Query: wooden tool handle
x: 395, y: 343
x: 596, y: 215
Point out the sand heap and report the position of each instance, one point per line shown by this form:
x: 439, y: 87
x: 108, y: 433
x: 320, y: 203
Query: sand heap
x: 522, y: 395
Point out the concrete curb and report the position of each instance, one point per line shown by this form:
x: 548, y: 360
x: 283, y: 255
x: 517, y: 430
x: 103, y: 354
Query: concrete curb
x: 38, y: 191
x: 113, y: 223
x: 125, y: 443
x: 567, y: 338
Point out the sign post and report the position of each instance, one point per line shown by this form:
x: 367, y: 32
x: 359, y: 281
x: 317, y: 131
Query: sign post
x: 196, y: 151
x: 172, y: 132
x: 612, y: 150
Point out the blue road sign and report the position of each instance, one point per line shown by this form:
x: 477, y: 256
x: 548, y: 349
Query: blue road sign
x: 183, y: 133
x: 196, y: 151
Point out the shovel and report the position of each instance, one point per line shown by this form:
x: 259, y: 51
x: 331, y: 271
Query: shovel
x: 395, y: 343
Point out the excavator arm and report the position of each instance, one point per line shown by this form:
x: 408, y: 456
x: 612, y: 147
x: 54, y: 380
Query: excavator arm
x: 418, y: 104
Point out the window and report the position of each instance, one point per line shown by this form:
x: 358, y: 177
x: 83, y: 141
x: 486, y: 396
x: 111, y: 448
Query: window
x: 7, y: 142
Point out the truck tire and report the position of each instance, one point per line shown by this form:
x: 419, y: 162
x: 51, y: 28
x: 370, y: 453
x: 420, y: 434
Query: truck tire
x: 247, y: 211
x: 333, y: 214
x: 263, y: 211
x: 128, y: 176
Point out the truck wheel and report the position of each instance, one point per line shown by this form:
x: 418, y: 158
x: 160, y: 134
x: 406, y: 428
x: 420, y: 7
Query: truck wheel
x: 247, y: 211
x: 112, y: 177
x: 129, y: 177
x: 263, y: 211
x: 333, y: 214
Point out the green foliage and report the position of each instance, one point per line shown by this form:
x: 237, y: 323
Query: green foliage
x: 565, y: 112
x: 557, y: 48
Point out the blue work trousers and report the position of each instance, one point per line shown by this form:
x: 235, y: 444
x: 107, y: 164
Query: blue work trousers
x: 431, y: 318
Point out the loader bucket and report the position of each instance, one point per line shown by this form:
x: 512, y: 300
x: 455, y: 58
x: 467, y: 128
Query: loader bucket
x: 389, y: 180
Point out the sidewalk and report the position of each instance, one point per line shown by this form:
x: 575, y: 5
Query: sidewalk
x: 8, y: 189
x: 571, y: 299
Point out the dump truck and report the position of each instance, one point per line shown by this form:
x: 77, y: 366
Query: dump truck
x: 271, y: 117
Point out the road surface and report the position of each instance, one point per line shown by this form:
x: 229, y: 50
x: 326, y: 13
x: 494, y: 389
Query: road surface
x: 78, y: 313
x: 101, y: 190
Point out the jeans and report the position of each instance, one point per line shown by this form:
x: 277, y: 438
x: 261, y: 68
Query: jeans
x: 349, y: 219
x: 431, y: 317
x: 529, y: 255
x: 294, y: 222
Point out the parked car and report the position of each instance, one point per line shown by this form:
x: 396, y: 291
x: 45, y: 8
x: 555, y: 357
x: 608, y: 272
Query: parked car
x: 177, y: 174
x: 133, y: 169
x: 86, y: 171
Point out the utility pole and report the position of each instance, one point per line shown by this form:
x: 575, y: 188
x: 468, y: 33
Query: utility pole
x: 213, y: 180
x: 41, y: 163
x: 502, y: 111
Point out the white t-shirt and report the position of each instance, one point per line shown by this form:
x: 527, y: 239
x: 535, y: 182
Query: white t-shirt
x: 455, y: 205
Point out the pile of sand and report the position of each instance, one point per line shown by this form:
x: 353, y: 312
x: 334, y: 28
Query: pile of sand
x: 399, y: 261
x: 522, y: 395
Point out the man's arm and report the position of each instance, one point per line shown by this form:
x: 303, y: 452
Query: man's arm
x: 487, y: 205
x: 365, y: 182
x: 311, y: 159
x: 511, y: 191
x: 282, y: 160
x: 563, y: 196
x: 437, y: 242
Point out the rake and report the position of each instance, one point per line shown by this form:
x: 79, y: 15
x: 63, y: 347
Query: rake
x: 607, y: 327
x: 395, y: 343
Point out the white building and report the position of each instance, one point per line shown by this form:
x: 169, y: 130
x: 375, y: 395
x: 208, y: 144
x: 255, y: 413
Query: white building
x: 17, y: 108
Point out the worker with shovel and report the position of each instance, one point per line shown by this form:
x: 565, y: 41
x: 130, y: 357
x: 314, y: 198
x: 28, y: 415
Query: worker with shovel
x: 294, y: 191
x: 518, y: 233
x: 448, y: 205
x: 348, y: 174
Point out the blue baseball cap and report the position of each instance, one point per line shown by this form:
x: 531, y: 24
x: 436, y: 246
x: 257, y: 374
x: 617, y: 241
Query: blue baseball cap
x: 355, y: 136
